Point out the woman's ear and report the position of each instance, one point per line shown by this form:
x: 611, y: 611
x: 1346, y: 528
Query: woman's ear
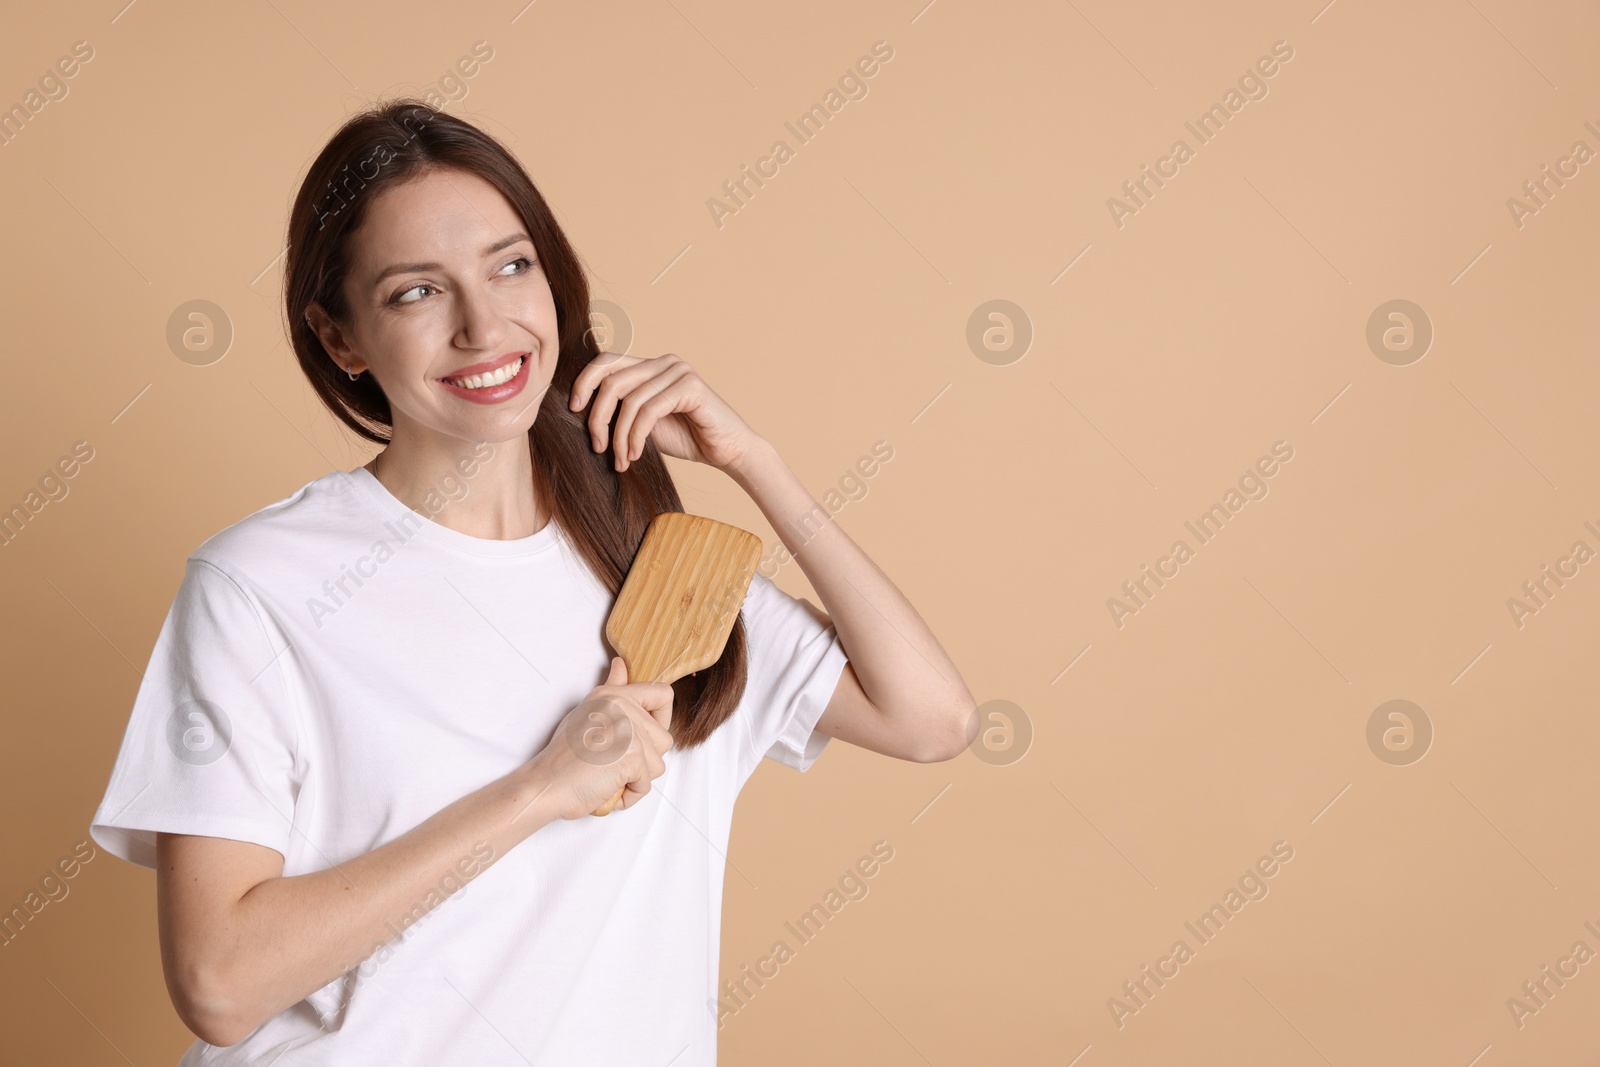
x: 332, y: 338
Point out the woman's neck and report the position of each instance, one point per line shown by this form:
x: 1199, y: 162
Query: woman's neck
x: 481, y: 489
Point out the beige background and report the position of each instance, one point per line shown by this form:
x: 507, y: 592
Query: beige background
x: 1228, y: 314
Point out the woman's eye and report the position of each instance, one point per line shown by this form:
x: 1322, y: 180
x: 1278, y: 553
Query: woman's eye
x: 401, y: 297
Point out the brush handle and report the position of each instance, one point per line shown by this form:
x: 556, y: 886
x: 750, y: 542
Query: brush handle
x: 605, y: 809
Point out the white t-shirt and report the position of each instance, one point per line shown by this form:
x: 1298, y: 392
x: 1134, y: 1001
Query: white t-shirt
x: 336, y: 668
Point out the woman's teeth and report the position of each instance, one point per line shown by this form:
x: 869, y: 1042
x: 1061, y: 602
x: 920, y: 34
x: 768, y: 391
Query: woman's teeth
x: 495, y: 377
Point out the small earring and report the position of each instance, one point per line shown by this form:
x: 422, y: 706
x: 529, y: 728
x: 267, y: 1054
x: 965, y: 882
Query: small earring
x: 353, y: 377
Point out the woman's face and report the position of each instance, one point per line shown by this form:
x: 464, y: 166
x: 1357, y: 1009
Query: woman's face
x: 446, y: 295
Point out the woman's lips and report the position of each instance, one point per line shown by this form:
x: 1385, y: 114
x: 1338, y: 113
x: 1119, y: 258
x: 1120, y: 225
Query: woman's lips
x: 486, y: 366
x: 494, y: 394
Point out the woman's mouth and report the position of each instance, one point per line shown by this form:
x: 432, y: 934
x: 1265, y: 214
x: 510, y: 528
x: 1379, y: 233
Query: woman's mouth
x: 491, y: 386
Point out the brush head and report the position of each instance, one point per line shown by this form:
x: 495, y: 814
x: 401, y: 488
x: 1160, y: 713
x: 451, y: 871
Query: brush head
x: 682, y: 594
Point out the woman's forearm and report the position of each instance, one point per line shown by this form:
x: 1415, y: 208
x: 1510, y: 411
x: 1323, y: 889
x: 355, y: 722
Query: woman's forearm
x: 289, y: 936
x: 902, y: 667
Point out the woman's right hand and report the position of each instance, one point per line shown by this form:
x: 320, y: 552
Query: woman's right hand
x: 613, y: 740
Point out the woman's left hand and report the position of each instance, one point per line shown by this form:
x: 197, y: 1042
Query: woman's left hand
x: 663, y: 400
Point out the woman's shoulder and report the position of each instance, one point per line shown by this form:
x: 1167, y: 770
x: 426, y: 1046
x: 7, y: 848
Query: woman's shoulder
x: 288, y: 533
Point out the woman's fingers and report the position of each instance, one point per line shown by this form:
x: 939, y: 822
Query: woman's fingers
x: 597, y: 368
x: 654, y: 767
x: 600, y: 384
x: 641, y: 408
x: 614, y: 384
x: 655, y: 699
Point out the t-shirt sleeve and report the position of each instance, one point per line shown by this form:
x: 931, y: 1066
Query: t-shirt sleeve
x: 793, y: 665
x: 211, y: 745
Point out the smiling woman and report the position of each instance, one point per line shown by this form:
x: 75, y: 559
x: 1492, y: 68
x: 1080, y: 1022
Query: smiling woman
x: 446, y: 705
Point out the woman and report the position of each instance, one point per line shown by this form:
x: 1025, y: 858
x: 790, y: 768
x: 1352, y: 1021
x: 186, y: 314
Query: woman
x: 360, y: 760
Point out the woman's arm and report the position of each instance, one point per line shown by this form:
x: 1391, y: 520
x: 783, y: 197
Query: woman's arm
x: 240, y: 942
x: 900, y: 694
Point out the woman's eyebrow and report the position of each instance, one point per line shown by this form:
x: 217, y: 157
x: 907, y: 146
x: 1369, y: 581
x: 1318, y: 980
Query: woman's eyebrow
x: 407, y: 268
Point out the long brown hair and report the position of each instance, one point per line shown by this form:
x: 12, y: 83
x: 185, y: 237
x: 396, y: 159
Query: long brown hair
x: 601, y: 512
